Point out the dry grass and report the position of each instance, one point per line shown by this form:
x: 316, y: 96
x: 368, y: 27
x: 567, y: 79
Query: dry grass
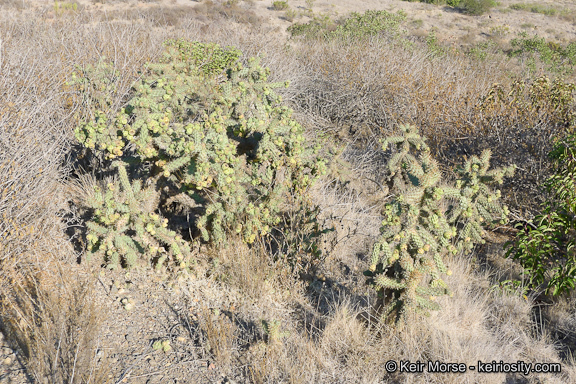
x: 52, y: 319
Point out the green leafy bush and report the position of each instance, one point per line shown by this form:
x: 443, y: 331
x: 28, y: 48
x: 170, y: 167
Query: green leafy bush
x: 280, y: 5
x: 546, y: 247
x: 426, y: 220
x: 557, y: 58
x: 535, y: 8
x: 356, y: 25
x: 214, y: 139
x: 476, y: 7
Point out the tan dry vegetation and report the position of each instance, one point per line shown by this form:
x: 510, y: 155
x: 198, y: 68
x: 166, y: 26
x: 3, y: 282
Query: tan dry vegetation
x: 71, y: 327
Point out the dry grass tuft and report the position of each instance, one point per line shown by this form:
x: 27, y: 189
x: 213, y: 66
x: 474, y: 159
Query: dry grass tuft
x: 52, y: 319
x: 219, y: 332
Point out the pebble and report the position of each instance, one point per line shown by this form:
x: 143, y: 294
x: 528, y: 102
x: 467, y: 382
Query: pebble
x: 7, y: 361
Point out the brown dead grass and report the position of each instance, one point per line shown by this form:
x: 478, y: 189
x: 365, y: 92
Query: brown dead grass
x: 51, y: 319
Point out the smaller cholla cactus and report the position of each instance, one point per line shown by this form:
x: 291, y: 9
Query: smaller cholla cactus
x: 272, y: 331
x: 163, y: 345
x: 426, y: 220
x: 126, y: 231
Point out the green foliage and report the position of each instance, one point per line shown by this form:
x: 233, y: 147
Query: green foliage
x: 556, y: 57
x: 290, y: 15
x: 318, y: 27
x: 433, y: 46
x: 356, y: 25
x: 280, y: 5
x: 481, y: 50
x: 61, y: 7
x: 125, y: 227
x: 272, y: 331
x: 214, y: 137
x: 97, y: 86
x: 546, y: 247
x: 369, y: 24
x: 428, y: 219
x: 295, y: 240
x: 163, y: 345
x: 535, y: 8
x: 476, y: 7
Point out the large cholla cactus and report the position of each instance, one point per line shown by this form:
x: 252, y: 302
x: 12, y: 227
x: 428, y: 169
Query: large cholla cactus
x: 125, y: 226
x: 427, y: 219
x: 208, y: 126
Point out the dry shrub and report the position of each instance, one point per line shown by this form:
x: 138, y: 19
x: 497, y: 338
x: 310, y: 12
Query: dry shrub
x: 16, y: 4
x: 52, y: 319
x: 230, y: 10
x: 251, y: 271
x: 157, y: 15
x: 219, y: 332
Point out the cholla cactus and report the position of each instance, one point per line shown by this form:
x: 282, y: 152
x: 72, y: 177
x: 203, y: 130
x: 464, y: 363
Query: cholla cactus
x: 423, y: 223
x: 205, y: 125
x: 126, y: 231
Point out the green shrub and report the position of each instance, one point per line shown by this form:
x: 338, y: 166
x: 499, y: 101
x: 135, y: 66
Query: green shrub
x: 535, y: 8
x: 213, y: 139
x: 318, y: 27
x: 476, y: 7
x: 369, y: 24
x: 557, y: 58
x: 280, y: 5
x: 546, y: 248
x: 356, y: 25
x: 290, y: 15
x: 426, y: 220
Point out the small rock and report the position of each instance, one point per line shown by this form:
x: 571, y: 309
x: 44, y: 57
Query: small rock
x: 7, y: 361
